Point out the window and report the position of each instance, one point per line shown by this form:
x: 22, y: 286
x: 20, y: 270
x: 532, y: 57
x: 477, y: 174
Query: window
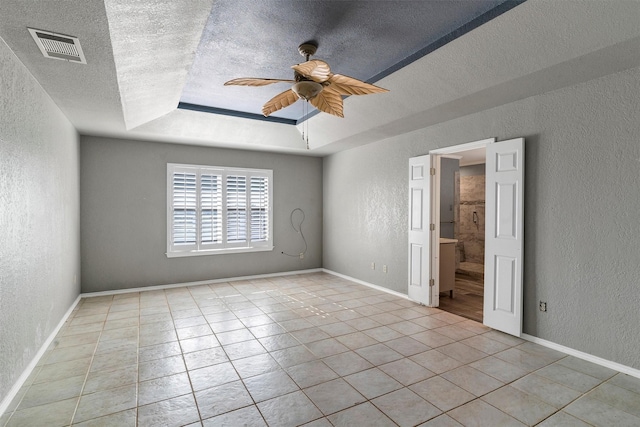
x: 213, y: 210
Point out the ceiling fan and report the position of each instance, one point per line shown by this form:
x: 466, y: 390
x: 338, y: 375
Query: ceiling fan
x: 313, y: 82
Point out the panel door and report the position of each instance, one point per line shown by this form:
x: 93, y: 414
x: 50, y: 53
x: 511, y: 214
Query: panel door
x: 504, y: 237
x: 419, y: 233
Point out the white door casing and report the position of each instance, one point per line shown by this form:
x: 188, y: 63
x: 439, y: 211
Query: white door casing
x: 504, y: 236
x: 419, y: 229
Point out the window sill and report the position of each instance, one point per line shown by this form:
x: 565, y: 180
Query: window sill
x: 218, y: 251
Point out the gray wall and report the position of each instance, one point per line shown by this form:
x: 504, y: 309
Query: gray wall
x: 39, y: 218
x: 582, y: 209
x: 123, y: 214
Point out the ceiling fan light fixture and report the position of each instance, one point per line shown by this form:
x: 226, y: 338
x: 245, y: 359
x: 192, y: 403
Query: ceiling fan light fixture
x: 307, y: 89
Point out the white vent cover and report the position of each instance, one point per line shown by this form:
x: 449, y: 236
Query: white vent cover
x: 58, y: 46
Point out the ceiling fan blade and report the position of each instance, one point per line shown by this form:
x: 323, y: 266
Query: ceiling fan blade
x: 250, y: 81
x: 279, y: 101
x: 328, y: 101
x: 346, y: 85
x: 316, y: 70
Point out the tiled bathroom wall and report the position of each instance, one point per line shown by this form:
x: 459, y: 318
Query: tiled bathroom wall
x: 471, y: 220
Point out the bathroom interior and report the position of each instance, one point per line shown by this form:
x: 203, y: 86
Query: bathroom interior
x: 462, y: 219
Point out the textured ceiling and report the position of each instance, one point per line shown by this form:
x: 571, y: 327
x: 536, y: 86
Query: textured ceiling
x: 361, y: 39
x: 141, y: 55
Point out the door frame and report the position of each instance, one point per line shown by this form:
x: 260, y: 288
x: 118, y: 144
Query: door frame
x: 435, y: 208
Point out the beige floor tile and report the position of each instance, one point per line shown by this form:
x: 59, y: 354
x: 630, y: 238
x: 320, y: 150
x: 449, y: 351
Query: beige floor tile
x: 326, y: 347
x: 379, y: 354
x: 270, y: 385
x: 61, y: 370
x: 462, y: 352
x: 627, y: 382
x: 178, y: 411
x: 406, y: 408
x: 521, y: 406
x: 102, y: 403
x: 617, y: 397
x: 279, y: 342
x: 52, y: 391
x: 546, y: 390
x: 161, y: 368
x: 480, y: 414
x: 163, y: 388
x: 373, y: 383
x: 406, y: 371
x: 126, y: 418
x: 383, y: 333
x: 56, y: 414
x: 441, y: 421
x: 100, y: 381
x: 311, y: 373
x: 293, y: 356
x: 432, y: 339
x: 213, y: 375
x: 249, y: 416
x: 562, y: 419
x: 159, y: 351
x: 499, y: 369
x: 441, y: 393
x: 485, y: 344
x: 347, y: 363
x: 407, y: 346
x: 598, y: 413
x: 65, y: 354
x: 244, y: 349
x: 200, y: 343
x: 472, y: 380
x: 568, y: 377
x: 364, y: 414
x: 435, y: 361
x: 223, y: 398
x: 334, y: 396
x: 255, y: 365
x: 290, y: 410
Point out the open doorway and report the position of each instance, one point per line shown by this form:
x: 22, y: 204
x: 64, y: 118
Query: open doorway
x: 462, y: 232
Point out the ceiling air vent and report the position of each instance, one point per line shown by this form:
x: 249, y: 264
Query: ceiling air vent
x: 58, y: 46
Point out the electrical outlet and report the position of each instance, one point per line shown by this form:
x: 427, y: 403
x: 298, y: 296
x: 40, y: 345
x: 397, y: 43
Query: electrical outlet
x: 543, y: 306
x: 373, y: 265
x: 384, y: 268
x: 301, y: 255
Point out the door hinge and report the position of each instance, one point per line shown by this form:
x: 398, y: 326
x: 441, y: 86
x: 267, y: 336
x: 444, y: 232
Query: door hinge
x: 432, y: 227
x: 432, y: 282
x: 432, y: 171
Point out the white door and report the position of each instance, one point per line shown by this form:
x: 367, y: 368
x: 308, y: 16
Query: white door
x: 419, y: 229
x: 504, y: 238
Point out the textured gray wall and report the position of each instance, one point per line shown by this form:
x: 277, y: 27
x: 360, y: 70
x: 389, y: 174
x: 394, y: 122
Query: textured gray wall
x: 123, y: 214
x: 39, y: 218
x: 582, y: 209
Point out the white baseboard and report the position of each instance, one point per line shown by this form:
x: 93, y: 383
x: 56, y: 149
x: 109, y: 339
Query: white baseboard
x: 198, y: 283
x: 585, y: 356
x: 371, y: 285
x: 31, y: 366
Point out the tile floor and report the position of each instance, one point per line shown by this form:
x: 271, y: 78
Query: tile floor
x: 312, y: 350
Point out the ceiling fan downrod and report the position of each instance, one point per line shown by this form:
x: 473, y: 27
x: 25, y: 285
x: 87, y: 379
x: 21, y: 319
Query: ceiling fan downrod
x: 307, y: 49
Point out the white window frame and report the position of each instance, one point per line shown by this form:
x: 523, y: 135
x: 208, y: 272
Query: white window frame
x: 223, y: 247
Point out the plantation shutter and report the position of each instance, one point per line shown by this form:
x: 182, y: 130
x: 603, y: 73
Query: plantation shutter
x: 236, y: 208
x: 215, y: 210
x: 185, y: 227
x: 259, y: 209
x: 210, y: 209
